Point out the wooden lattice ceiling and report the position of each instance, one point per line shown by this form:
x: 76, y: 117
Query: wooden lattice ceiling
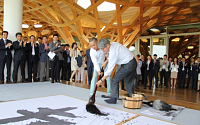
x: 125, y: 24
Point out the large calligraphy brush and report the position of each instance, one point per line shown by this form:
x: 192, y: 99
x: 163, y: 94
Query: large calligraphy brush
x: 90, y: 107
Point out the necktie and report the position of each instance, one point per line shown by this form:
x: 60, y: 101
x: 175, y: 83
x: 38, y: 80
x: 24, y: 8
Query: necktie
x: 33, y: 49
x: 5, y: 44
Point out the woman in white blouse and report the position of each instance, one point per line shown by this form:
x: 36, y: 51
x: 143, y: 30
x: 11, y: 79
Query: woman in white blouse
x: 73, y: 54
x: 174, y: 72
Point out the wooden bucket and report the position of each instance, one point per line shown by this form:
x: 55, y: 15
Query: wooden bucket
x: 134, y: 102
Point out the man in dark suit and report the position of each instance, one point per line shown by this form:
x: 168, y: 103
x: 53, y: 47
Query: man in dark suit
x: 191, y: 71
x: 44, y: 59
x: 156, y: 65
x: 33, y: 57
x: 90, y: 66
x: 67, y: 63
x: 169, y: 68
x: 143, y: 68
x: 148, y: 71
x: 20, y: 48
x: 183, y: 72
x: 61, y: 59
x: 5, y: 56
x: 55, y: 47
x: 39, y: 39
x: 179, y: 61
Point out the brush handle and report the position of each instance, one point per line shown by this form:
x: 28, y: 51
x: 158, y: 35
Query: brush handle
x: 92, y: 99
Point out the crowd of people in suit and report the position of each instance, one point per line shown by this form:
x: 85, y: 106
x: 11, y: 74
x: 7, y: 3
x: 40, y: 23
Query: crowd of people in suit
x: 64, y: 65
x: 174, y: 69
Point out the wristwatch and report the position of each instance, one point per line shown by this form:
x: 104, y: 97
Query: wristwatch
x: 101, y: 80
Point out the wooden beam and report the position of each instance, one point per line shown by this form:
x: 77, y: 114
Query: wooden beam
x: 96, y: 15
x: 119, y: 22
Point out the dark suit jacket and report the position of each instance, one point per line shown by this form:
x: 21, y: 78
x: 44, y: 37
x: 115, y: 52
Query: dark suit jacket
x: 193, y: 68
x: 143, y: 66
x: 43, y: 53
x: 36, y: 57
x: 89, y: 61
x: 156, y: 66
x: 181, y: 67
x: 66, y: 56
x: 3, y: 49
x: 20, y: 51
x: 150, y: 67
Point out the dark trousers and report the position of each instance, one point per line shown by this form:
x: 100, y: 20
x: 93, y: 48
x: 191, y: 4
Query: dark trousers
x: 55, y: 68
x: 32, y: 66
x: 155, y: 74
x: 15, y: 70
x: 164, y: 74
x: 61, y: 67
x: 150, y: 79
x: 194, y: 84
x: 89, y: 72
x: 182, y: 79
x: 190, y: 74
x: 143, y: 77
x: 137, y: 78
x: 126, y: 72
x: 122, y: 85
x: 2, y: 65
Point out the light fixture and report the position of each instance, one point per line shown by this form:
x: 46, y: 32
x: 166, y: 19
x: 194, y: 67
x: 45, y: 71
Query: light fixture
x: 25, y: 26
x: 186, y: 40
x: 102, y: 28
x: 37, y: 25
x: 154, y: 29
x: 176, y: 39
x: 190, y: 47
x: 132, y: 48
x: 144, y: 40
x: 155, y: 39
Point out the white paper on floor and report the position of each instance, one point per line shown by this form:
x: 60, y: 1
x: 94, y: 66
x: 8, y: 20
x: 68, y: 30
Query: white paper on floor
x: 57, y: 110
x: 163, y: 114
x: 143, y: 120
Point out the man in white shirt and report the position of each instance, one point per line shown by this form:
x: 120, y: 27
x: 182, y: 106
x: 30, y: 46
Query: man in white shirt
x: 120, y: 55
x: 98, y: 58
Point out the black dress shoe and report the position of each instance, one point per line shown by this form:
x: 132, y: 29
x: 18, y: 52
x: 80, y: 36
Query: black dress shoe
x: 111, y: 100
x: 8, y: 81
x: 24, y: 81
x: 52, y: 81
x: 2, y: 82
x: 35, y: 80
x: 58, y: 81
x: 144, y: 87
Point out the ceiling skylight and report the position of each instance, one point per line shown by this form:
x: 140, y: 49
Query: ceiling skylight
x: 105, y: 6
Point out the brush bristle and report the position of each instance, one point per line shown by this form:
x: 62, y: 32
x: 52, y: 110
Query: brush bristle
x: 90, y: 107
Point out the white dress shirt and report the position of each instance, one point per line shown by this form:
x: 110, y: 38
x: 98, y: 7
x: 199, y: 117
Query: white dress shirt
x: 33, y: 49
x: 97, y: 57
x: 183, y: 66
x: 118, y: 54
